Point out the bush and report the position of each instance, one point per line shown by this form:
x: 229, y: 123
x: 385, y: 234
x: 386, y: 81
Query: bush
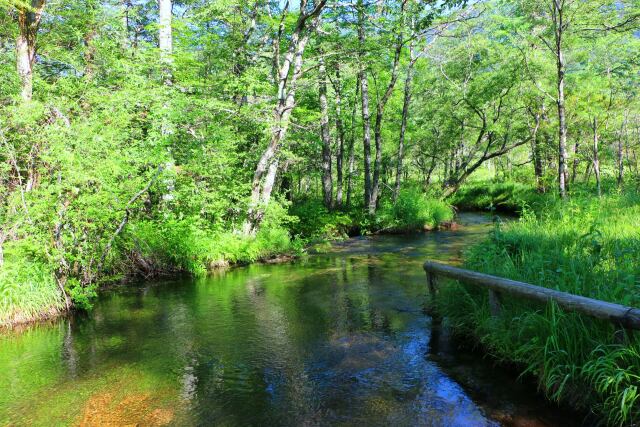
x: 316, y: 222
x: 188, y: 245
x: 497, y: 196
x: 413, y: 210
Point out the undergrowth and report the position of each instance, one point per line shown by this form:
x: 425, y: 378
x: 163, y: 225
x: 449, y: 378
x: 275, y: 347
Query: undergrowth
x: 412, y: 211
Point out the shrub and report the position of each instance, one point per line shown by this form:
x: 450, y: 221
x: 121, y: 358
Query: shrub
x: 497, y: 196
x: 316, y: 222
x: 413, y: 210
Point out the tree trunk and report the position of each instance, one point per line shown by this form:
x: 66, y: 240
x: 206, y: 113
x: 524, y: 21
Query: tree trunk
x: 619, y: 156
x: 366, y: 116
x: 125, y: 23
x: 340, y: 136
x: 2, y: 239
x: 165, y: 38
x: 558, y: 17
x: 327, y: 181
x: 28, y: 24
x: 267, y: 167
x: 596, y: 160
x: 352, y: 144
x: 574, y: 167
x: 403, y: 125
x: 537, y: 156
x: 89, y: 53
x: 381, y: 105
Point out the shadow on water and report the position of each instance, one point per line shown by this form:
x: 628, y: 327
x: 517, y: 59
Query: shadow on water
x: 339, y: 338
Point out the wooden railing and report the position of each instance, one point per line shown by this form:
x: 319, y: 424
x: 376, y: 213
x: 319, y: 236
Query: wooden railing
x: 626, y: 318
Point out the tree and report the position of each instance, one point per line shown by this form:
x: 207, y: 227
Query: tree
x: 288, y: 71
x: 165, y: 37
x: 559, y: 24
x: 364, y: 93
x: 29, y: 17
x: 327, y: 180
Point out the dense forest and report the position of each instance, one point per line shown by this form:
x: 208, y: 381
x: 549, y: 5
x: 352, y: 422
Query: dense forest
x: 146, y: 138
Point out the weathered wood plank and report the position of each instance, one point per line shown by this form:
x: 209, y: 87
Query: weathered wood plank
x: 628, y: 317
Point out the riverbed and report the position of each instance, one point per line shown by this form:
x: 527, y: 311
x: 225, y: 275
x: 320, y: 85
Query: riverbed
x: 336, y: 338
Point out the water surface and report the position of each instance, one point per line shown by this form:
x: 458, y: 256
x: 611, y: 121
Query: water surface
x: 339, y: 338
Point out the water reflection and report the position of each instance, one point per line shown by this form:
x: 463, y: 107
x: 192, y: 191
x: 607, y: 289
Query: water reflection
x: 339, y: 338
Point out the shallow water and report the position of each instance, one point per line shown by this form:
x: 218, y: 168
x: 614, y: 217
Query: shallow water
x: 339, y: 338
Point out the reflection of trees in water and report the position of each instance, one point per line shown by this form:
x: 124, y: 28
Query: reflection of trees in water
x: 288, y: 374
x: 69, y: 354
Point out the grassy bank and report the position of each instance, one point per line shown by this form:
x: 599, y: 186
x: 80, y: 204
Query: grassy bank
x: 29, y: 289
x: 507, y: 197
x: 412, y: 211
x: 586, y: 246
x: 150, y: 248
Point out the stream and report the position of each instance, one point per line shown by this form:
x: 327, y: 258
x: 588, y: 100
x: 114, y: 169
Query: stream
x: 335, y: 338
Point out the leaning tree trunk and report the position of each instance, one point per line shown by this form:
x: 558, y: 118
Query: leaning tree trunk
x: 288, y: 72
x: 28, y: 24
x: 327, y: 181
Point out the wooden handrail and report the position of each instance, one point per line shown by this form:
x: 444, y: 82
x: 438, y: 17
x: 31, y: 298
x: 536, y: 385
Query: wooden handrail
x: 626, y: 317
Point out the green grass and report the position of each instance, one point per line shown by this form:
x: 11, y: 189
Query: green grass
x: 508, y: 197
x: 586, y: 246
x: 412, y: 211
x: 27, y: 286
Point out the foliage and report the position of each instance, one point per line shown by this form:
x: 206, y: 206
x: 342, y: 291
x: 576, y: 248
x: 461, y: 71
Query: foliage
x: 509, y: 197
x: 413, y: 210
x: 318, y: 222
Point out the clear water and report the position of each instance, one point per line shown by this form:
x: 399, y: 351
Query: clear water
x: 339, y: 338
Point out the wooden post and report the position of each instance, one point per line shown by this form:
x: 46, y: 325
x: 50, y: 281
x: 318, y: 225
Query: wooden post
x: 431, y: 280
x: 433, y: 289
x: 622, y: 335
x: 494, y: 303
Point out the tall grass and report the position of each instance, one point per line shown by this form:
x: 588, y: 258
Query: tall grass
x: 586, y: 246
x: 27, y: 286
x: 187, y: 245
x: 509, y: 197
x: 413, y: 210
